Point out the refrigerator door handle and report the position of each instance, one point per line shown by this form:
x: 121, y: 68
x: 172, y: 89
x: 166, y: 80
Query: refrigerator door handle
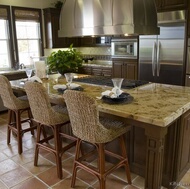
x: 153, y: 59
x: 158, y: 59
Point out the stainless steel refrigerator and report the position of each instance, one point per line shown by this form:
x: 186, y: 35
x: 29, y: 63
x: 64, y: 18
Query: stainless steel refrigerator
x: 161, y: 57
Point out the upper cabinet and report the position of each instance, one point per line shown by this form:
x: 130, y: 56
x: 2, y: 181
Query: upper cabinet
x: 188, y: 20
x: 163, y: 5
x: 95, y: 41
x: 51, y: 24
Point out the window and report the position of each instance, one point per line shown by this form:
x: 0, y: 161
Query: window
x: 5, y: 43
x: 22, y: 39
x: 28, y: 40
x: 28, y: 33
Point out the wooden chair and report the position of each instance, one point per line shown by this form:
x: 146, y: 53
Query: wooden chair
x: 88, y: 127
x: 16, y: 107
x: 48, y: 116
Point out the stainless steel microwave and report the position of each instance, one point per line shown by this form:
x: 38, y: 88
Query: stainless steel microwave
x: 124, y: 48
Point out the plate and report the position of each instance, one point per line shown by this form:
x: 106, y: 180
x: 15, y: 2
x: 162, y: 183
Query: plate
x: 123, y: 98
x: 62, y: 87
x: 79, y: 88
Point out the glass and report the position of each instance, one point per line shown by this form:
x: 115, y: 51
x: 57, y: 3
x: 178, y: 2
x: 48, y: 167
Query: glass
x: 117, y: 82
x: 69, y: 79
x: 29, y: 73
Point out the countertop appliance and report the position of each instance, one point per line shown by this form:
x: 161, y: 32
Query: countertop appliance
x: 124, y: 48
x: 161, y: 57
x: 106, y: 81
x: 187, y: 80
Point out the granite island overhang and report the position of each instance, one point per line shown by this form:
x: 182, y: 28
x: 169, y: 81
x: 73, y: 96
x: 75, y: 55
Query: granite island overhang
x: 158, y: 143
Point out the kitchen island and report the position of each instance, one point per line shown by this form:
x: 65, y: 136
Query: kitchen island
x: 158, y: 143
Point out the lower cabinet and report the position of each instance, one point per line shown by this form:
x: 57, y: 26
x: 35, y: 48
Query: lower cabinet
x: 184, y: 145
x: 176, y: 153
x: 124, y: 68
x: 96, y: 70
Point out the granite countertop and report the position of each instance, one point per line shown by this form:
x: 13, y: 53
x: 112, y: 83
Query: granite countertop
x: 11, y: 71
x: 157, y: 104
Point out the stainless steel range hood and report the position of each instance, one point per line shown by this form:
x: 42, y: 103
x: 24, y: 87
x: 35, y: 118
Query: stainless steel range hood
x: 108, y: 17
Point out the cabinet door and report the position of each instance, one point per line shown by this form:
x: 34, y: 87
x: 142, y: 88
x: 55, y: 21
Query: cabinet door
x: 87, y: 41
x: 130, y: 70
x: 188, y: 18
x: 97, y: 71
x: 184, y: 155
x: 71, y: 40
x: 117, y: 69
x: 87, y: 70
x: 107, y: 72
x: 171, y: 4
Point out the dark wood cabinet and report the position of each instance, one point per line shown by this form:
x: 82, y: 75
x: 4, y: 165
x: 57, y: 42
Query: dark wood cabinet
x: 86, y: 70
x: 87, y: 41
x: 184, y: 145
x: 96, y: 70
x: 188, y: 19
x: 125, y: 68
x: 163, y: 5
x: 51, y: 25
x: 176, y: 153
x: 95, y: 41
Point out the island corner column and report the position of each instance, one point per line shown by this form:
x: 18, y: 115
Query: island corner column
x: 154, y: 156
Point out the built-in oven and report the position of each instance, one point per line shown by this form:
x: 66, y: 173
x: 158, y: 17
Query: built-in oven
x: 187, y: 80
x: 124, y: 48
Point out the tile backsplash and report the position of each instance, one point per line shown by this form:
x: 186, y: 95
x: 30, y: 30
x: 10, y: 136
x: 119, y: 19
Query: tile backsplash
x: 99, y: 53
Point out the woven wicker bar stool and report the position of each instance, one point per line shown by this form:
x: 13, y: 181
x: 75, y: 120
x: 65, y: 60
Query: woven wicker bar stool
x: 48, y: 116
x: 89, y: 127
x: 16, y: 106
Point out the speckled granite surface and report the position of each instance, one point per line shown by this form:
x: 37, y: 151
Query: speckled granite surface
x: 157, y: 104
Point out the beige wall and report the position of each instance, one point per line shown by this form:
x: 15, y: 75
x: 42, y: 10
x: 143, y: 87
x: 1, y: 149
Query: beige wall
x: 29, y: 3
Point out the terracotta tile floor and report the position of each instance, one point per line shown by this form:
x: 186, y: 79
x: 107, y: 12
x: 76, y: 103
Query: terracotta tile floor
x: 18, y: 171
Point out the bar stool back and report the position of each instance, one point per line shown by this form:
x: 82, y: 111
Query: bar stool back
x: 48, y: 116
x: 98, y: 131
x: 16, y: 106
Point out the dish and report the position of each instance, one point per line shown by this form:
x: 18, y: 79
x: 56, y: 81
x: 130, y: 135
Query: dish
x: 123, y: 98
x: 58, y: 86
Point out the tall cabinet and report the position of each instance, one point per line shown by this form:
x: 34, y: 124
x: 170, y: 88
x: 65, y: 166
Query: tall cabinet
x: 51, y: 24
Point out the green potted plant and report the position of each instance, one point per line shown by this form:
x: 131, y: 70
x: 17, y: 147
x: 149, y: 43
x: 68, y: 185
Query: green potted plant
x: 64, y: 61
x: 58, y: 4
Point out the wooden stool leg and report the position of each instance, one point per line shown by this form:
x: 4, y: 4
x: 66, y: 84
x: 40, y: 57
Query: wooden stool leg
x: 101, y: 165
x: 30, y: 120
x: 124, y: 154
x: 9, y: 125
x: 19, y: 131
x: 77, y: 155
x: 58, y: 151
x: 39, y: 129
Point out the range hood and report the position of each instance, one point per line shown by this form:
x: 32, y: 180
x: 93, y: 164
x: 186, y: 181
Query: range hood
x: 107, y: 18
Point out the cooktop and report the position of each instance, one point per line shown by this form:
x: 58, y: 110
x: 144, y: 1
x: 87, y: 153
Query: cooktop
x: 103, y: 80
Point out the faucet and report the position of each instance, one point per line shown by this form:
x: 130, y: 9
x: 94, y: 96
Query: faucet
x: 22, y: 66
